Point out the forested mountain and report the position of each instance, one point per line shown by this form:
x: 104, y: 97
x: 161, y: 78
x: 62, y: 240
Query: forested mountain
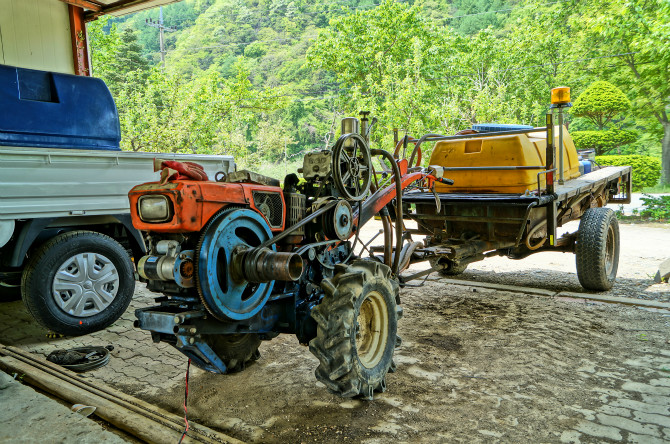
x: 269, y: 79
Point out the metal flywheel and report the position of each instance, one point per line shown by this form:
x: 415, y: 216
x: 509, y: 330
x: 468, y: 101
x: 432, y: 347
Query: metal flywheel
x: 226, y: 294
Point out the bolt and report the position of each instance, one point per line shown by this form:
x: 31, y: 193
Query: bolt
x: 192, y: 330
x: 177, y: 320
x: 191, y: 341
x: 344, y: 220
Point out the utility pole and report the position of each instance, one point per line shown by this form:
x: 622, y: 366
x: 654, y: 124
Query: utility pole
x: 161, y: 28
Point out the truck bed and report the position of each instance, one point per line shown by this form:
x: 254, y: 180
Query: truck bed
x: 38, y: 182
x: 570, y: 188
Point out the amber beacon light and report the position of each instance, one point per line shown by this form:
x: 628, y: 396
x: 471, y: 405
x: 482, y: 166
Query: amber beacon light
x: 560, y: 95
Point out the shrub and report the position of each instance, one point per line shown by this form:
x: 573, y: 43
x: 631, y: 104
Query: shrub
x: 600, y: 102
x: 602, y: 141
x: 646, y: 169
x: 656, y: 207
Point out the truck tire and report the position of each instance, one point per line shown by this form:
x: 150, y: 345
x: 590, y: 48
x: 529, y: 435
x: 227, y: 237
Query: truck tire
x: 357, y: 325
x: 78, y: 282
x: 597, y: 249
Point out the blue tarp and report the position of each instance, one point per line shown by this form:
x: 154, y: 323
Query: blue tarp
x: 52, y: 110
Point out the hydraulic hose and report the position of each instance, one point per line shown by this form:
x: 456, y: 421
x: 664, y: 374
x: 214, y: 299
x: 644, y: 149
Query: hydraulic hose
x: 398, y: 208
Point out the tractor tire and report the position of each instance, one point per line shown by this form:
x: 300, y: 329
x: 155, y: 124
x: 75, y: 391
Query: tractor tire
x: 357, y: 323
x: 597, y: 249
x: 78, y: 283
x: 450, y: 269
x: 236, y: 351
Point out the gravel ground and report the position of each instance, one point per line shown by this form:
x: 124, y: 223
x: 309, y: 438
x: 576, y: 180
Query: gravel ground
x: 643, y: 248
x: 29, y: 417
x: 476, y: 365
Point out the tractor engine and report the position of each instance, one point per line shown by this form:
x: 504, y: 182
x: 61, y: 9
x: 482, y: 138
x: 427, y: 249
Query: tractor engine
x: 242, y: 259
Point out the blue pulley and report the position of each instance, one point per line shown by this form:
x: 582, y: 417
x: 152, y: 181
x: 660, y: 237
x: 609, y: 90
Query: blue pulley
x: 228, y: 296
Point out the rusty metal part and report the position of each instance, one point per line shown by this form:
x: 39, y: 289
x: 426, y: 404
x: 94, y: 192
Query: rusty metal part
x: 251, y: 177
x: 302, y: 223
x: 406, y: 254
x: 260, y: 265
x: 388, y: 239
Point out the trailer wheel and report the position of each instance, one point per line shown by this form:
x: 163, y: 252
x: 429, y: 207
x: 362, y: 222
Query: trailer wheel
x: 236, y: 351
x: 356, y: 329
x: 597, y: 249
x: 78, y: 282
x: 446, y: 267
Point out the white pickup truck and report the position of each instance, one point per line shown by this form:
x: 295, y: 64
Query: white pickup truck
x: 67, y: 243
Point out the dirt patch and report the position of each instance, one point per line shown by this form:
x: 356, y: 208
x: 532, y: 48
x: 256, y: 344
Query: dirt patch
x: 475, y: 365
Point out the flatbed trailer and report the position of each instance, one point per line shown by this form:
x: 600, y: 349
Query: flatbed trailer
x: 461, y: 228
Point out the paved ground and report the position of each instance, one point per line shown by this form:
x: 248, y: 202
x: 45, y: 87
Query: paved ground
x: 476, y: 365
x: 24, y: 410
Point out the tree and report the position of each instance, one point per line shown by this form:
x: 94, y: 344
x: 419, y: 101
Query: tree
x: 600, y: 103
x: 603, y: 141
x: 638, y: 31
x: 127, y: 59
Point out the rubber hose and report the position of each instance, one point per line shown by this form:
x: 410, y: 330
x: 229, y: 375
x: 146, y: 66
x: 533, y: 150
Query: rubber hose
x: 398, y: 209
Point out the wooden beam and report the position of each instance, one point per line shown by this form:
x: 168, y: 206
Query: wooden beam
x: 117, y: 6
x: 84, y: 4
x: 79, y: 43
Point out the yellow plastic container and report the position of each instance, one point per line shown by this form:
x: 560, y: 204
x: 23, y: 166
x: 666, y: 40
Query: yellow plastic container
x: 511, y: 150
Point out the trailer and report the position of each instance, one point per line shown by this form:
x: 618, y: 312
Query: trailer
x: 486, y: 213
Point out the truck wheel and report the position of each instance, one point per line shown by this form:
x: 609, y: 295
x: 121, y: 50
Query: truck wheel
x: 78, y: 282
x: 236, y: 351
x: 446, y: 267
x: 356, y: 329
x: 597, y: 249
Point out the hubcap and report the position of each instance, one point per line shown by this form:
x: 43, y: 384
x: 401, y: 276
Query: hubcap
x: 85, y: 284
x: 372, y: 330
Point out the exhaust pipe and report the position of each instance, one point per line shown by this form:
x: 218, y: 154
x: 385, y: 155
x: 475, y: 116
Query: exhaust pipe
x: 261, y: 265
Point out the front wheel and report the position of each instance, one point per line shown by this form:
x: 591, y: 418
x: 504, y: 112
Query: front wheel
x: 597, y: 249
x: 78, y: 282
x: 357, y: 329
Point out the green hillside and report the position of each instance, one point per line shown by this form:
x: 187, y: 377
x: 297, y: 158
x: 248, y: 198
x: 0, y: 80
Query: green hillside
x: 268, y: 80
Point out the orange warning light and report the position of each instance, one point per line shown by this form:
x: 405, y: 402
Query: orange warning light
x: 560, y: 95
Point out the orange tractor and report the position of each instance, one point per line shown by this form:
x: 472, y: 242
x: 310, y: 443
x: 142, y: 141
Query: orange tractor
x: 242, y: 259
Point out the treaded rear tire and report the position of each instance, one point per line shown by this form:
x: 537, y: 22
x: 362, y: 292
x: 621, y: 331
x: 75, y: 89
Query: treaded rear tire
x: 40, y: 272
x: 353, y: 358
x: 597, y: 249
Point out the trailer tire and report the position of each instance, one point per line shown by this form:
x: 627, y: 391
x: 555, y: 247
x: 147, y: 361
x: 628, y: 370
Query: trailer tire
x: 236, y: 351
x: 357, y: 324
x: 95, y: 283
x: 597, y: 249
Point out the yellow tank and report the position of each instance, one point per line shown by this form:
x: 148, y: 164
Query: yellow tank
x: 510, y: 150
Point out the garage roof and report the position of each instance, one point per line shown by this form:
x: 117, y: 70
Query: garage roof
x: 95, y: 8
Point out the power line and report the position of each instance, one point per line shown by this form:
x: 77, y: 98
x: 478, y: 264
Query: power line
x: 517, y: 68
x: 505, y: 10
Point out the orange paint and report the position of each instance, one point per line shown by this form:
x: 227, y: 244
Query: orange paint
x: 195, y: 202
